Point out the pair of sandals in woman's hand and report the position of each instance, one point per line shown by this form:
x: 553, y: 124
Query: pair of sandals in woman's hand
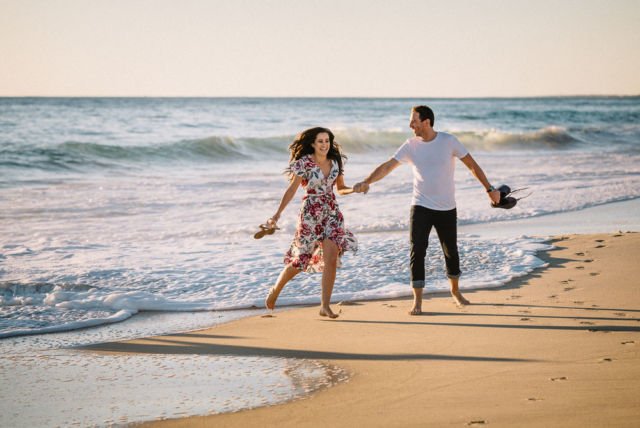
x: 268, y: 228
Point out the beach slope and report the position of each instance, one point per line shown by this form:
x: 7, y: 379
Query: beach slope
x: 559, y: 347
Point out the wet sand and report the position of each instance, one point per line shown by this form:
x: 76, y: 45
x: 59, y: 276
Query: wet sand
x: 559, y: 347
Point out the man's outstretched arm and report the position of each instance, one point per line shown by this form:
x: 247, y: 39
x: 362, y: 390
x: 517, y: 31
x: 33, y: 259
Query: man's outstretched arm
x: 478, y: 173
x: 379, y: 173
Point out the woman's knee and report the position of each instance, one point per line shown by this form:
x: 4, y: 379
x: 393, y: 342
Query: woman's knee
x: 330, y: 251
x: 290, y: 270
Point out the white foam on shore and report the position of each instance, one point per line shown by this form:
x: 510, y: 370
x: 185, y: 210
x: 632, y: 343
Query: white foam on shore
x: 379, y: 270
x: 87, y: 389
x: 144, y: 324
x: 491, y: 256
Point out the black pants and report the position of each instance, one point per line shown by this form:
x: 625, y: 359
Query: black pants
x: 445, y: 223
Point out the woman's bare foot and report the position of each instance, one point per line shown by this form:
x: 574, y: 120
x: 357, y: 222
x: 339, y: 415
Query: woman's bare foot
x: 327, y: 312
x: 459, y: 299
x: 270, y: 300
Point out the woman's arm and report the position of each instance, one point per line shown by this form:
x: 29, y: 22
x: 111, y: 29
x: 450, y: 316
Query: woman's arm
x: 342, y: 188
x: 286, y: 198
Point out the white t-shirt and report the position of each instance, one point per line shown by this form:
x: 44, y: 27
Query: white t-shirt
x: 433, y: 167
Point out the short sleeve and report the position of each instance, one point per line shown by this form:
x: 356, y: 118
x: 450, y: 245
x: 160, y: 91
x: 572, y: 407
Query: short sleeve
x: 403, y: 154
x: 298, y: 168
x: 459, y: 150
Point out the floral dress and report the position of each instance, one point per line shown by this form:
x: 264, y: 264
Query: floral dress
x: 319, y: 219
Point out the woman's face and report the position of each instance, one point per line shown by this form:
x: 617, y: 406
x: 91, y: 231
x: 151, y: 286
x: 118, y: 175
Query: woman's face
x: 322, y: 144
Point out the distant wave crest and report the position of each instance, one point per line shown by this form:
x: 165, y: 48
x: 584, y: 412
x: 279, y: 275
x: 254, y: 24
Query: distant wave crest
x: 552, y: 137
x: 76, y: 155
x: 73, y: 155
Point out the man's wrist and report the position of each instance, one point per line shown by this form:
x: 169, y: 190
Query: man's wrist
x: 490, y: 189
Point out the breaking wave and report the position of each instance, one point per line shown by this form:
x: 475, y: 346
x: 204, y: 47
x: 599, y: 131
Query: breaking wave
x: 74, y: 155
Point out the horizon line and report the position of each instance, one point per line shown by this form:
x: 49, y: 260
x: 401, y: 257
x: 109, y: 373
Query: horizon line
x: 329, y: 97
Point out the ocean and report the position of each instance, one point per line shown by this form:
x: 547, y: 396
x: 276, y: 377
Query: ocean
x: 117, y: 209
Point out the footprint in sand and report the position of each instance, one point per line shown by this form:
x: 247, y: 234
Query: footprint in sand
x: 553, y: 296
x: 617, y: 235
x: 267, y: 316
x: 588, y: 261
x: 600, y: 246
x: 579, y: 254
x: 535, y: 399
x: 564, y: 282
x: 598, y: 330
x: 620, y: 314
x: 476, y: 423
x: 587, y: 323
x: 579, y: 267
x: 559, y: 379
x: 578, y: 302
x: 628, y: 342
x: 569, y: 288
x: 525, y: 312
x: 594, y: 273
x: 606, y: 360
x: 525, y: 319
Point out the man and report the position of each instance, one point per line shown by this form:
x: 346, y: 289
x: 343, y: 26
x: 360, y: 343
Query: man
x: 432, y: 155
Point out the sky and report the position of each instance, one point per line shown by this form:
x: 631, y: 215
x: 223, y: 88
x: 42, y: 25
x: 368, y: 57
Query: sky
x: 323, y: 48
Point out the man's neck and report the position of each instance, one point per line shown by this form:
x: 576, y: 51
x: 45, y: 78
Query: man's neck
x: 429, y: 135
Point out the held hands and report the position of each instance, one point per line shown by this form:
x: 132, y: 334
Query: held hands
x: 361, y: 187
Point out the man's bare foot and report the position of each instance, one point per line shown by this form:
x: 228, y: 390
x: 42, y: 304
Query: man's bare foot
x: 416, y: 310
x: 459, y: 299
x: 327, y: 312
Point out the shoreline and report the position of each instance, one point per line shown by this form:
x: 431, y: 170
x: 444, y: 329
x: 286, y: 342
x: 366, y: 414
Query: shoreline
x: 616, y: 215
x: 552, y: 348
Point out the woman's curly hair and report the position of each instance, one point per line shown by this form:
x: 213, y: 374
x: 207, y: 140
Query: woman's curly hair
x: 301, y: 146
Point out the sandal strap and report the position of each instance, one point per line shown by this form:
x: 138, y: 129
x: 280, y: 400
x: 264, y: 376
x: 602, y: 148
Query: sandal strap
x: 267, y: 227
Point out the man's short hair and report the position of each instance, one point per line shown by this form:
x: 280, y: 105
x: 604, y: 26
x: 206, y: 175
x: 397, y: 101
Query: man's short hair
x: 424, y: 113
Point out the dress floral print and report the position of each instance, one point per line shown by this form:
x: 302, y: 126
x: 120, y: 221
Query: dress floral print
x: 319, y: 219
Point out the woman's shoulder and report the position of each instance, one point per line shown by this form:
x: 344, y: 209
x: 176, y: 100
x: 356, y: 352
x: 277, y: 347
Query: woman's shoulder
x: 301, y: 165
x: 305, y: 160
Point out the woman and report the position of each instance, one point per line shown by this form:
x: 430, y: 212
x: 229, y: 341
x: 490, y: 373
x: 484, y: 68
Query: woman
x: 320, y: 239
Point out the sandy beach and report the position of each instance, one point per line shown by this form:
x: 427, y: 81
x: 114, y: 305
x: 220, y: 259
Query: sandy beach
x: 559, y: 347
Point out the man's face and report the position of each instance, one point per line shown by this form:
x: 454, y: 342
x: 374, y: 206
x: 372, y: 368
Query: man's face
x: 419, y: 127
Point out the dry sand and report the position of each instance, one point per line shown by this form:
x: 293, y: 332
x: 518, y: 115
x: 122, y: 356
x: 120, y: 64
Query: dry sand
x: 558, y: 348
